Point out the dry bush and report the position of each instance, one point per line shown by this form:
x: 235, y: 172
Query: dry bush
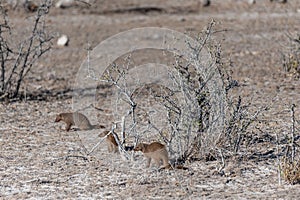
x: 289, y: 167
x: 187, y: 105
x: 291, y: 59
x: 16, y: 60
x: 194, y: 115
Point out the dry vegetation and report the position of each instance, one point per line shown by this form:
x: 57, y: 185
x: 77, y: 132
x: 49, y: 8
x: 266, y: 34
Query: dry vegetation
x: 255, y: 155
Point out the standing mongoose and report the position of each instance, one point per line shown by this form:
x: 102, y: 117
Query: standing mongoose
x: 76, y: 119
x: 112, y: 145
x: 154, y: 151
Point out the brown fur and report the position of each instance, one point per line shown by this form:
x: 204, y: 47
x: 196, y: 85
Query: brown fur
x: 112, y: 145
x: 76, y: 119
x: 154, y: 151
x: 30, y: 6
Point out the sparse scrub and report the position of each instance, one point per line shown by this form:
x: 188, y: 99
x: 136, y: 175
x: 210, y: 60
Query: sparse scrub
x: 191, y: 129
x: 290, y: 161
x: 16, y: 60
x: 188, y: 107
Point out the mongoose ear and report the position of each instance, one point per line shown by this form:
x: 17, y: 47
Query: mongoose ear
x: 103, y: 134
x: 101, y: 126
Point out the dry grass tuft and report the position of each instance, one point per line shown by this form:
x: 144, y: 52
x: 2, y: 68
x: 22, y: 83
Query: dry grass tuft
x: 291, y: 171
x: 291, y: 60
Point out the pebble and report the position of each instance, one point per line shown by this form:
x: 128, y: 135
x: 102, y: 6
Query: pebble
x: 251, y: 2
x: 63, y: 40
x: 64, y: 3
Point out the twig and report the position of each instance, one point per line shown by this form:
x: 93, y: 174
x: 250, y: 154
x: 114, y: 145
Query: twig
x: 123, y: 130
x: 98, y: 143
x: 278, y: 160
x: 293, y: 131
x: 84, y: 2
x: 121, y: 147
x: 222, y: 159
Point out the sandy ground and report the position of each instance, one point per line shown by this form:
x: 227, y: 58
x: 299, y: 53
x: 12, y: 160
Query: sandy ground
x: 40, y: 160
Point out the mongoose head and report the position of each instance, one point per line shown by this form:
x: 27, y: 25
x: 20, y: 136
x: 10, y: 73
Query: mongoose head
x: 103, y: 134
x: 140, y: 147
x: 58, y: 118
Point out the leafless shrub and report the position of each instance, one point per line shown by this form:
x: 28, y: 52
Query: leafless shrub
x: 193, y: 116
x: 240, y: 118
x: 187, y: 106
x: 16, y: 62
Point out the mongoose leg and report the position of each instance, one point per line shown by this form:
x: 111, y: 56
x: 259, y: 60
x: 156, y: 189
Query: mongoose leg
x: 68, y: 126
x: 110, y: 148
x: 148, y: 162
x: 157, y: 162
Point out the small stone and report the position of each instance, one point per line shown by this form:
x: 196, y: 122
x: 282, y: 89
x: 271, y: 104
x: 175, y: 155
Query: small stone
x: 205, y: 3
x: 63, y: 40
x: 251, y: 2
x: 65, y: 3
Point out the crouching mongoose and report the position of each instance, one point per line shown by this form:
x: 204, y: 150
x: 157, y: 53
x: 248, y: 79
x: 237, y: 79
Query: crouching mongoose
x: 112, y: 145
x: 76, y: 119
